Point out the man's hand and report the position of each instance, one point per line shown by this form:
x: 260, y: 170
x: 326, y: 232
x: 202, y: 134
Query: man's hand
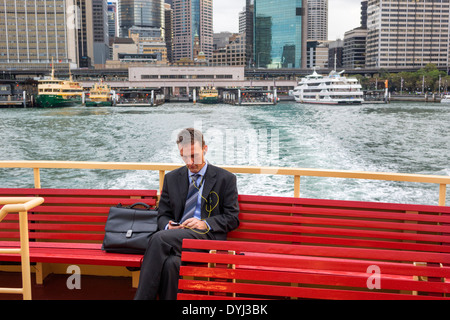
x: 171, y: 227
x: 194, y: 223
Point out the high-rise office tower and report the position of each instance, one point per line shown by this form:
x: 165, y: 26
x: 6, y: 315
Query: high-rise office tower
x: 112, y: 19
x: 280, y: 33
x: 246, y: 25
x: 192, y: 22
x: 140, y: 13
x: 318, y: 20
x: 168, y: 31
x: 364, y: 14
x: 88, y: 28
x: 404, y: 33
x: 100, y: 31
x: 354, y: 54
x: 34, y: 32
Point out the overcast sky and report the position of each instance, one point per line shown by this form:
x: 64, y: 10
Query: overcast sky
x: 343, y: 15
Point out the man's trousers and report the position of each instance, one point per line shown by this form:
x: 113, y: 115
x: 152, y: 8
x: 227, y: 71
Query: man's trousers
x: 161, y: 265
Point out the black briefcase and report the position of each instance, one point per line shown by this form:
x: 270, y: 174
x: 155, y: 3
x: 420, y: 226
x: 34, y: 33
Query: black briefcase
x: 128, y: 229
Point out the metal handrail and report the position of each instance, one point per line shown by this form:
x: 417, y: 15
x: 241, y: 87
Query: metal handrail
x: 20, y: 205
x: 297, y: 173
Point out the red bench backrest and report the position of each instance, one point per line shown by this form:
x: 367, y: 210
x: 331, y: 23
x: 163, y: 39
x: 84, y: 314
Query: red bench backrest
x: 70, y: 215
x: 343, y: 223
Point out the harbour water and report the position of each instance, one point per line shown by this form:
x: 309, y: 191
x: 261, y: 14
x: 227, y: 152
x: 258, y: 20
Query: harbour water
x: 398, y: 138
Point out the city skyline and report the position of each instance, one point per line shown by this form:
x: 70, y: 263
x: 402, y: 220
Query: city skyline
x: 343, y: 16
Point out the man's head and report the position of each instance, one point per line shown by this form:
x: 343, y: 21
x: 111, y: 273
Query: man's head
x: 192, y: 149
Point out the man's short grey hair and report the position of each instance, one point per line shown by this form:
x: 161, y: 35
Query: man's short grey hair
x: 190, y: 136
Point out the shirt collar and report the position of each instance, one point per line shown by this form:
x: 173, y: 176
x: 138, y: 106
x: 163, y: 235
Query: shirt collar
x: 201, y: 172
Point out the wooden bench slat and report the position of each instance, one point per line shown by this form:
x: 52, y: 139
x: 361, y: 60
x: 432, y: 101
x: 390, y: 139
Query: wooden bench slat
x: 344, y: 213
x: 60, y: 217
x: 78, y: 192
x: 344, y: 232
x: 304, y: 239
x: 78, y: 256
x: 318, y: 263
x: 64, y: 245
x: 360, y: 253
x: 97, y: 201
x: 55, y: 236
x: 347, y: 223
x: 57, y: 227
x: 343, y: 204
x: 193, y: 297
x: 71, y: 209
x: 285, y: 291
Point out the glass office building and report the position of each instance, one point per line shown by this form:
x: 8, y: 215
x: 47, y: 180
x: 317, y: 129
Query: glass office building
x: 140, y: 13
x: 280, y: 33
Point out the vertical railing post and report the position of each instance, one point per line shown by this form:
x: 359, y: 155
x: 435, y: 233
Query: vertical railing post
x: 25, y: 255
x: 442, y: 194
x: 296, y: 186
x: 37, y: 178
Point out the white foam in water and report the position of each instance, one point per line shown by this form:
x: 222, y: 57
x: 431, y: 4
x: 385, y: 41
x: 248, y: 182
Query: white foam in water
x: 135, y: 180
x: 398, y: 138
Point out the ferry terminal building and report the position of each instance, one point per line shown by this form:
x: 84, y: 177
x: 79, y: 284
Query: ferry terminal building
x: 182, y: 80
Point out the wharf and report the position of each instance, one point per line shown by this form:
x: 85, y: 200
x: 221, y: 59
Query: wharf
x: 139, y: 97
x: 416, y: 98
x: 17, y: 102
x: 376, y: 97
x: 12, y: 104
x: 376, y: 101
x: 250, y: 96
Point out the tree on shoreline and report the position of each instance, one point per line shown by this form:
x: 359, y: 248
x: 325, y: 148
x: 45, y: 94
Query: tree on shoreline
x: 426, y: 79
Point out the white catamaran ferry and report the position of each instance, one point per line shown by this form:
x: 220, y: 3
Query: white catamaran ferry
x: 331, y: 89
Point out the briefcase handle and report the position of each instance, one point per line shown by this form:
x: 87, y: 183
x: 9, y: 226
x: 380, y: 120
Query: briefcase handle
x: 140, y: 204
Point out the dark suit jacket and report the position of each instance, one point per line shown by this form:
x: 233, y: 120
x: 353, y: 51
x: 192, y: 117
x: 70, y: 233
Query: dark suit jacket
x: 224, y: 217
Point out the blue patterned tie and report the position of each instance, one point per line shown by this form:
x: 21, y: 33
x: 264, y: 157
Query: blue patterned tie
x: 192, y: 198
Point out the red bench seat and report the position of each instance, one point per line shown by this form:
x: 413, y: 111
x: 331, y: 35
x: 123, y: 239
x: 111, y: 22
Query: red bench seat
x: 325, y: 247
x: 68, y: 228
x: 279, y: 271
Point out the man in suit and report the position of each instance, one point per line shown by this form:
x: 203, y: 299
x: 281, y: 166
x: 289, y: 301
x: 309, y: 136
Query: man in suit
x: 198, y: 201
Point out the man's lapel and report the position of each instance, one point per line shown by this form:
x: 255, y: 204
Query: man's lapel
x: 183, y: 187
x: 210, y: 181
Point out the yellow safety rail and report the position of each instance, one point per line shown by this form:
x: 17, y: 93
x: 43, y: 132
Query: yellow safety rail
x: 297, y: 173
x: 20, y: 205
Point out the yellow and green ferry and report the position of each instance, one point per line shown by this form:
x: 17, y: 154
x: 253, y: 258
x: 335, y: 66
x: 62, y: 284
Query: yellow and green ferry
x: 99, y: 96
x: 54, y: 92
x: 209, y: 95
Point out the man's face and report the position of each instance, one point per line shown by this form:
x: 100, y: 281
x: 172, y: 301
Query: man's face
x: 193, y: 155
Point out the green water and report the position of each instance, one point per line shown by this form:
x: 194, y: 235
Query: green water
x: 399, y: 137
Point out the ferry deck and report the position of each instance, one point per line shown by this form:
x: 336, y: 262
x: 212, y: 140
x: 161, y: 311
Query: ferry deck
x: 111, y: 283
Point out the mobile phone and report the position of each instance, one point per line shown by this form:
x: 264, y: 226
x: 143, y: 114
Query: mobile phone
x: 174, y: 224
